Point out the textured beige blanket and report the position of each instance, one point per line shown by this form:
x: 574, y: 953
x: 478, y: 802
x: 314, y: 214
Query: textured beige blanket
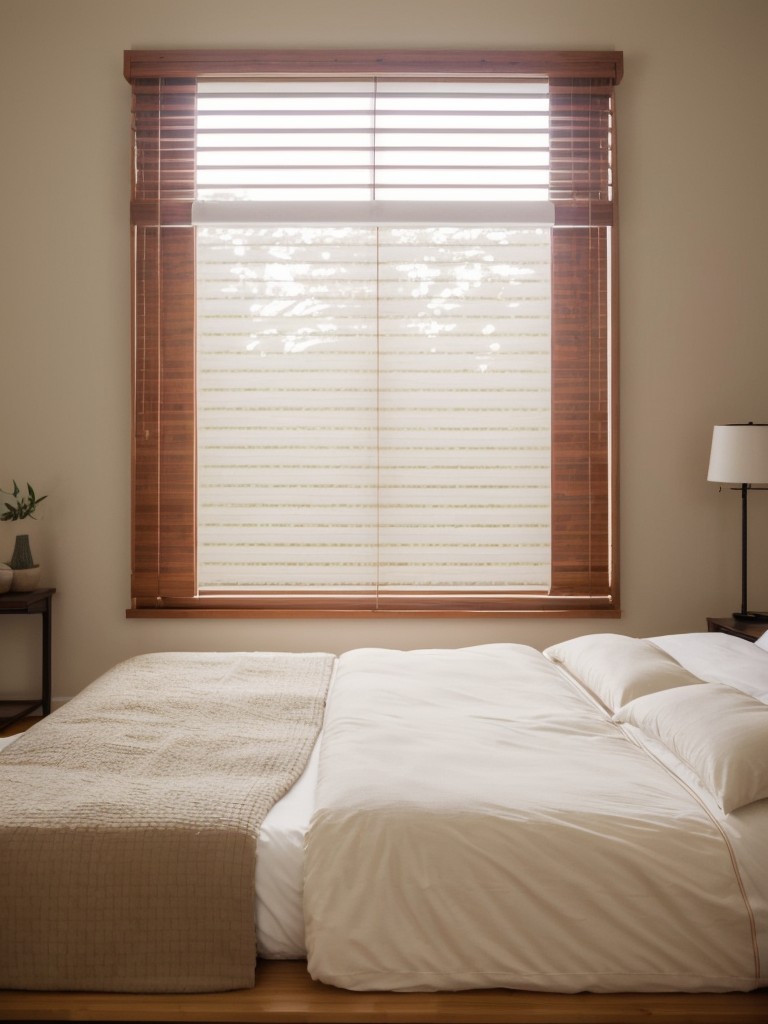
x: 129, y: 821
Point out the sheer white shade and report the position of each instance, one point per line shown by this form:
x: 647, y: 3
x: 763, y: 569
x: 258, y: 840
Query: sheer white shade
x: 739, y: 454
x: 373, y: 409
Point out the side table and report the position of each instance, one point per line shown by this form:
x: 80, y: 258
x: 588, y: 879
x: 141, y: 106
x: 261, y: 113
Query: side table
x: 33, y: 602
x: 737, y: 627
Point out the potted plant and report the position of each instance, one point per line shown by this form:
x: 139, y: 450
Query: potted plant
x: 26, y: 574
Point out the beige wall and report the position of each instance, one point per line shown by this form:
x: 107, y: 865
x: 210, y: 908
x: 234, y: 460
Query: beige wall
x: 691, y: 114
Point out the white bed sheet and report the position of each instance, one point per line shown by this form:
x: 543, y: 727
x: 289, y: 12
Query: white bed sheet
x: 280, y: 869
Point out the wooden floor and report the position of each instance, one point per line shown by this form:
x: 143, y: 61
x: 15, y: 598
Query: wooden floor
x: 21, y: 726
x: 285, y: 993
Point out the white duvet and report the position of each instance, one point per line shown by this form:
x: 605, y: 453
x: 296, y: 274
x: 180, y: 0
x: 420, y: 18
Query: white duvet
x: 480, y: 823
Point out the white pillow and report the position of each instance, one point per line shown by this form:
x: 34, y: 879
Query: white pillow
x: 720, y: 658
x: 618, y: 668
x: 762, y: 641
x: 719, y: 732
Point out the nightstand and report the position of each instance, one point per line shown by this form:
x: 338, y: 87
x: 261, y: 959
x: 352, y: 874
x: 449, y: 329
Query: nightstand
x: 34, y: 602
x: 735, y: 627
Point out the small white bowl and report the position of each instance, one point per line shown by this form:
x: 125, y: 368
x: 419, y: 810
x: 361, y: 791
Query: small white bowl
x: 6, y: 578
x: 26, y: 580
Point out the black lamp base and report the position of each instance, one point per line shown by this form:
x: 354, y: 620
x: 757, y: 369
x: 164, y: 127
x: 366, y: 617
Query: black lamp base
x: 751, y: 616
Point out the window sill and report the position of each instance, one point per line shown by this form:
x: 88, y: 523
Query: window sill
x: 225, y: 612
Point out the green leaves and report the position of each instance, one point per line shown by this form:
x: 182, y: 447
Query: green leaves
x: 24, y: 507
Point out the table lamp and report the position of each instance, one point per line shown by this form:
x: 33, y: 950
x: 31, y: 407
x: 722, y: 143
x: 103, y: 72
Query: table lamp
x: 739, y: 456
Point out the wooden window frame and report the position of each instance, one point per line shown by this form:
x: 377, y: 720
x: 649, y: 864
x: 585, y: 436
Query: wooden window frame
x: 585, y: 578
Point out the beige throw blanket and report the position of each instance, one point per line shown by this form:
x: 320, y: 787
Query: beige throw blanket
x: 129, y: 821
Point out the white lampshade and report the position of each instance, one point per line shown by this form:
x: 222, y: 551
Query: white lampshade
x: 739, y: 454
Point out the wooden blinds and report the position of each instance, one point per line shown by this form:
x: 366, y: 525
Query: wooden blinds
x: 183, y: 160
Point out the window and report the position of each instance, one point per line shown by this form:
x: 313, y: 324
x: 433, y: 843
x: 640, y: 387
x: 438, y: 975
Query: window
x: 373, y: 333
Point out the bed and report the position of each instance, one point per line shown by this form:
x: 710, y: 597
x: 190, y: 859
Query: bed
x: 588, y: 819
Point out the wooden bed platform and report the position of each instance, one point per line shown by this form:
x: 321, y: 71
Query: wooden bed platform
x: 284, y: 992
